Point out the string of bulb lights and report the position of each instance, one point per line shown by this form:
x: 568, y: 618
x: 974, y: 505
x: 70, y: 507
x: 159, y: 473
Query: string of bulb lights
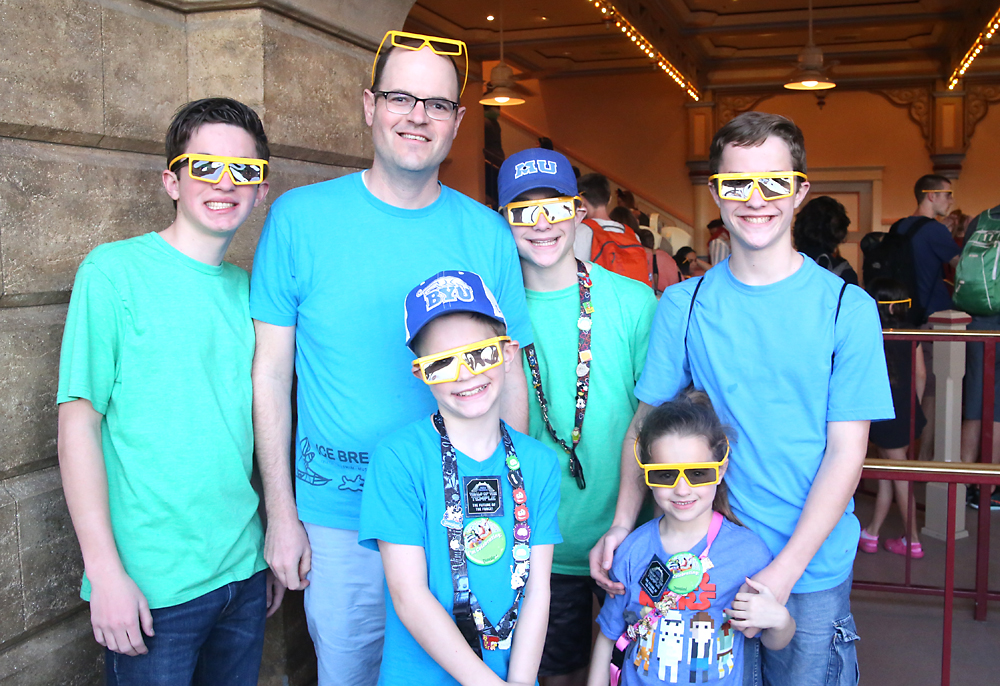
x: 977, y: 47
x: 611, y: 14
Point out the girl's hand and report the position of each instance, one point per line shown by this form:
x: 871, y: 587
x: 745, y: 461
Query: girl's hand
x: 758, y: 610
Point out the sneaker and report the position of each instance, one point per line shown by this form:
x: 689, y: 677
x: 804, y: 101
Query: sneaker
x: 972, y: 497
x: 898, y: 546
x: 867, y: 543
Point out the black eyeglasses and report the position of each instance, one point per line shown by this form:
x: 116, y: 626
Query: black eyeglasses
x: 403, y: 103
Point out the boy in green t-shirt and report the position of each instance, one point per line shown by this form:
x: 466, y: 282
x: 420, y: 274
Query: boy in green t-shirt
x: 155, y: 433
x: 591, y: 330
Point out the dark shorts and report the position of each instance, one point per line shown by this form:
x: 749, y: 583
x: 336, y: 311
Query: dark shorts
x: 571, y: 621
x: 973, y: 391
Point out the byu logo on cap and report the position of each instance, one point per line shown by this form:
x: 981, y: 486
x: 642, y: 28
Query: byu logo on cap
x: 534, y: 167
x: 445, y: 289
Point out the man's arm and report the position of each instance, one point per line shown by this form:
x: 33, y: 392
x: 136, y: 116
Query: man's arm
x: 118, y: 609
x: 426, y: 619
x: 832, y: 489
x: 533, y: 620
x: 631, y: 494
x: 514, y: 401
x: 286, y: 546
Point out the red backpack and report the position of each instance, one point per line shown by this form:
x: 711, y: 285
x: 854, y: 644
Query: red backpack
x: 621, y: 253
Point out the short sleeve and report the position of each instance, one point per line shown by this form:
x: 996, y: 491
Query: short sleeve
x: 89, y: 360
x: 273, y: 289
x: 666, y: 371
x: 392, y: 504
x: 545, y: 524
x: 640, y: 337
x: 612, y: 616
x: 859, y: 385
x: 510, y: 289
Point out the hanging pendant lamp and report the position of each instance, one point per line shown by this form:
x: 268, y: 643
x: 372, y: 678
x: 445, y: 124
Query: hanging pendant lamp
x: 500, y: 90
x: 810, y: 75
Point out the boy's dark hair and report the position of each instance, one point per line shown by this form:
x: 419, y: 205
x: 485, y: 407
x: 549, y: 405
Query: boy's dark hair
x: 495, y: 325
x: 930, y: 182
x: 595, y: 188
x: 214, y: 111
x: 689, y: 414
x: 820, y: 226
x: 751, y: 129
x: 646, y: 238
x: 889, y: 290
x: 383, y: 59
x: 624, y: 216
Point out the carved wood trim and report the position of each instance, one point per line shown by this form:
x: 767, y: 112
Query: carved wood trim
x: 728, y: 106
x: 919, y: 104
x: 978, y: 98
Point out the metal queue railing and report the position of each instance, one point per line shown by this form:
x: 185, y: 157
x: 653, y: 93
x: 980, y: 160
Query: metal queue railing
x: 983, y: 474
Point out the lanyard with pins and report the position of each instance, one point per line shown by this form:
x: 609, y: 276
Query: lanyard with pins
x: 477, y: 629
x: 584, y: 359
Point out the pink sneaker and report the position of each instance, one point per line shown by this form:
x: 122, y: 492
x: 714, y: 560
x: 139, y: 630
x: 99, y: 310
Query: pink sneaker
x: 898, y: 546
x: 867, y: 543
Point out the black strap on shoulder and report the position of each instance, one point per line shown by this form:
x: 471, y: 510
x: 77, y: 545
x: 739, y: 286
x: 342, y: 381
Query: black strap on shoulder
x: 694, y: 296
x: 914, y: 227
x: 840, y: 300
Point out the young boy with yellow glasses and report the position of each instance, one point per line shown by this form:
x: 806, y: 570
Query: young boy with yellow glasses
x: 155, y: 434
x: 461, y: 507
x: 591, y: 329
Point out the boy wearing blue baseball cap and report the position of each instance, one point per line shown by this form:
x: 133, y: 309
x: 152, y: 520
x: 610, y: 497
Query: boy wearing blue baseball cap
x: 460, y: 506
x: 591, y: 330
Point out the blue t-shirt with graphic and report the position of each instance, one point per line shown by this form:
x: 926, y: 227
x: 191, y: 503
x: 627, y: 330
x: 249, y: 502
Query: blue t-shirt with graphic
x: 404, y: 503
x: 693, y: 643
x: 765, y: 356
x: 336, y: 262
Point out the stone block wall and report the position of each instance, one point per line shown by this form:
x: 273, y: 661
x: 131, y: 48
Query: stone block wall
x: 89, y: 88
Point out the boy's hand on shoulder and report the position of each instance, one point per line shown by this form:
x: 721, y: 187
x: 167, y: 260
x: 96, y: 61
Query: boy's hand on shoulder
x: 287, y: 551
x: 602, y: 555
x: 755, y: 608
x: 119, y: 614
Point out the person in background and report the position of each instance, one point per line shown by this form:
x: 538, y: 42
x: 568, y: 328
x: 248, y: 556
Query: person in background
x: 690, y: 264
x: 718, y: 243
x: 820, y: 226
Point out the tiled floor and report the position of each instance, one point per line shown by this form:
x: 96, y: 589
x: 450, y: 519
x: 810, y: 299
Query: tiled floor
x: 901, y: 634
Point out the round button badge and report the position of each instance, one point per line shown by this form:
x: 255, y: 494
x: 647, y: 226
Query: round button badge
x: 485, y: 541
x: 685, y: 573
x: 521, y: 513
x: 522, y: 532
x: 521, y: 552
x: 520, y: 497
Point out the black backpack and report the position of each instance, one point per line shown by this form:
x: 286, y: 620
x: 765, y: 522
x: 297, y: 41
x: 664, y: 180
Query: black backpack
x: 890, y: 256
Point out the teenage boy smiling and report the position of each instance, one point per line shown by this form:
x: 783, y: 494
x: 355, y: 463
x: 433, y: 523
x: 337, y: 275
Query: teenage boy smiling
x: 792, y: 359
x: 155, y: 436
x: 326, y: 306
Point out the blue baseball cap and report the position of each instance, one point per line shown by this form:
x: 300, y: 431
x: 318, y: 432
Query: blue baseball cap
x: 446, y: 292
x: 535, y: 168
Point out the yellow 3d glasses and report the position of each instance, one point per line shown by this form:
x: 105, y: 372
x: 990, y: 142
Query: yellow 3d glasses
x: 528, y: 212
x: 695, y: 473
x: 416, y: 41
x: 477, y: 357
x: 770, y: 185
x: 244, y: 171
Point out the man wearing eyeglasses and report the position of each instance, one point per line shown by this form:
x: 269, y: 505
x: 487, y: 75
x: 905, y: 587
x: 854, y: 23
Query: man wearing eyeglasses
x: 792, y: 360
x: 326, y: 305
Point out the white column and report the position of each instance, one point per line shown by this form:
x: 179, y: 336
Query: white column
x: 949, y: 369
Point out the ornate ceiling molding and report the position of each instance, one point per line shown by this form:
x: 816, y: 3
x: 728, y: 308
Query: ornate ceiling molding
x: 978, y: 98
x: 728, y: 106
x: 918, y: 101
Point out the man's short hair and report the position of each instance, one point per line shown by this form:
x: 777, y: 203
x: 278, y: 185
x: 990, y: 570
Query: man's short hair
x: 214, y: 111
x: 751, y: 129
x: 930, y: 182
x: 383, y: 59
x: 595, y: 189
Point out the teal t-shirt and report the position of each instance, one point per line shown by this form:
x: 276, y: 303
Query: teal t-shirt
x: 623, y: 314
x: 162, y: 346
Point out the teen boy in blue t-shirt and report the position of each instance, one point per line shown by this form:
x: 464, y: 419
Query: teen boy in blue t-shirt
x: 460, y: 505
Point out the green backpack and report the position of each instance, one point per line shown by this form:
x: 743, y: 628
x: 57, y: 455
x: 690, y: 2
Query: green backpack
x: 977, y: 277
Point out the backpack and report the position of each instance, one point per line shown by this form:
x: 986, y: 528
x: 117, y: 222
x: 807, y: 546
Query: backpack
x: 890, y: 255
x: 826, y: 262
x: 977, y: 286
x: 621, y: 253
x: 662, y: 269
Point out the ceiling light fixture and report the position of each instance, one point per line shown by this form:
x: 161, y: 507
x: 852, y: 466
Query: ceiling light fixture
x: 977, y: 47
x: 500, y: 89
x: 610, y: 12
x: 810, y: 75
x: 489, y: 17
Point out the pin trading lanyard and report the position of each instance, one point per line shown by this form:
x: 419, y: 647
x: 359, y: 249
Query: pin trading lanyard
x: 669, y: 600
x: 582, y: 377
x: 466, y: 607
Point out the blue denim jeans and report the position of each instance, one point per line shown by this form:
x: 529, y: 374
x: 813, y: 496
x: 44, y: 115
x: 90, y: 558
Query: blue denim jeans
x: 214, y: 640
x: 822, y: 652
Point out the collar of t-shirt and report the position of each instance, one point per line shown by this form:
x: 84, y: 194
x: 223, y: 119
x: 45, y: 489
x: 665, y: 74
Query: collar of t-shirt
x: 609, y: 225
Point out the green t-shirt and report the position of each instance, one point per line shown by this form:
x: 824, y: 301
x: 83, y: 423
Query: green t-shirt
x: 623, y: 314
x: 162, y: 345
